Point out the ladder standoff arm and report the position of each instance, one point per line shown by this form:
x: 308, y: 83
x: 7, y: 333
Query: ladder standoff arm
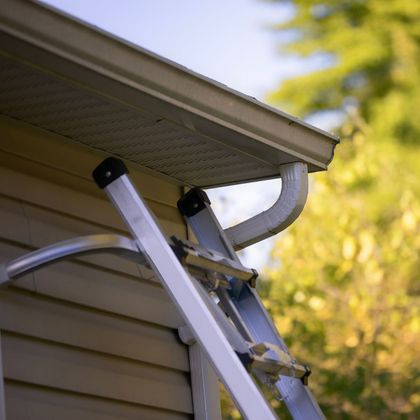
x: 79, y: 246
x: 280, y: 215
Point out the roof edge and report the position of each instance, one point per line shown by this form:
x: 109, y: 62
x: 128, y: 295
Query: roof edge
x: 194, y: 101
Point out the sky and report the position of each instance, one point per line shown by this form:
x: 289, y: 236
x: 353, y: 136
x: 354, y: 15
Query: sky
x: 230, y: 41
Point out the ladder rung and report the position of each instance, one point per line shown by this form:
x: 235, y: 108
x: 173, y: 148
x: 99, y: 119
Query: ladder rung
x: 270, y: 359
x: 199, y: 258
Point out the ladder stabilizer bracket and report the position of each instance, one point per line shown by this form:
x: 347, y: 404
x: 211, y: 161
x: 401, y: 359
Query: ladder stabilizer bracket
x: 70, y: 248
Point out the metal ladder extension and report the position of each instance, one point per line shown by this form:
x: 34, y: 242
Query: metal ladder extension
x: 211, y: 289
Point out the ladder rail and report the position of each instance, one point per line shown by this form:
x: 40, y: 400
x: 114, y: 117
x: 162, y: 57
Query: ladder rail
x: 248, y: 306
x: 153, y: 244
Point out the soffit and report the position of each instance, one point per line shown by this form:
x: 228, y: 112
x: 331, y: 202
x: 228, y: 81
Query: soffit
x: 121, y: 100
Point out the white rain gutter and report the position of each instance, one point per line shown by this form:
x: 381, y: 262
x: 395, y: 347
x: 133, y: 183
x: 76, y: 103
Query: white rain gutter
x: 283, y: 213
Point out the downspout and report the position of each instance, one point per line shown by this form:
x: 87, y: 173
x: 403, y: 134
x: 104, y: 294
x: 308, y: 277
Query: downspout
x: 278, y: 217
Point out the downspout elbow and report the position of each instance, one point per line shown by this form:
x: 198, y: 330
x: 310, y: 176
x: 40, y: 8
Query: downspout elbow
x: 278, y: 217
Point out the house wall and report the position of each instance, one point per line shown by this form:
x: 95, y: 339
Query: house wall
x: 92, y: 338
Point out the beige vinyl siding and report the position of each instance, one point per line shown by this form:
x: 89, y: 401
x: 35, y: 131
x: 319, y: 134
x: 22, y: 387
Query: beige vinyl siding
x: 45, y: 403
x: 94, y: 337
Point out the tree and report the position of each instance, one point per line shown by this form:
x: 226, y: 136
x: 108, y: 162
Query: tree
x: 371, y: 50
x: 345, y: 293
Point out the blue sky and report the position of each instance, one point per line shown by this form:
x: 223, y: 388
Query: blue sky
x: 229, y: 41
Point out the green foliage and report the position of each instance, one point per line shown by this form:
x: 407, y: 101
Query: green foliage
x: 345, y: 293
x: 373, y: 47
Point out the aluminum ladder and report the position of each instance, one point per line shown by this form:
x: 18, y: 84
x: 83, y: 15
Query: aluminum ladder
x: 211, y: 289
